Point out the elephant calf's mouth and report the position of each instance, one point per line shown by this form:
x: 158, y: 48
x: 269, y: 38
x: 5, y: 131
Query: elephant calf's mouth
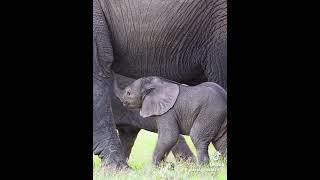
x: 131, y: 106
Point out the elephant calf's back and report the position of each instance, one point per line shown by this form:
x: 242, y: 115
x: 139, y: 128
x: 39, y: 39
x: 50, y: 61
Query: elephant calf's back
x: 206, y: 100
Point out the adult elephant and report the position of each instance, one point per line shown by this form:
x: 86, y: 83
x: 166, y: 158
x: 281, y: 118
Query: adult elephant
x: 181, y: 40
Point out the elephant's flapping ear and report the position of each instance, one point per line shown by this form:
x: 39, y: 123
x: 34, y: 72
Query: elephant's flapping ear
x: 159, y: 96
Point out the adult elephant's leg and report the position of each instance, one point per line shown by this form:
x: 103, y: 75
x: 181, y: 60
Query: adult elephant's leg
x: 181, y: 151
x: 106, y: 142
x: 128, y: 135
x: 215, y: 64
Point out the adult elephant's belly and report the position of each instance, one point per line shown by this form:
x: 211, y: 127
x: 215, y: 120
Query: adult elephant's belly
x: 158, y: 57
x: 162, y: 38
x: 167, y: 70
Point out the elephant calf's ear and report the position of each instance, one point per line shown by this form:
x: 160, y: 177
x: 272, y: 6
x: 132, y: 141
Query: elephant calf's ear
x: 160, y: 99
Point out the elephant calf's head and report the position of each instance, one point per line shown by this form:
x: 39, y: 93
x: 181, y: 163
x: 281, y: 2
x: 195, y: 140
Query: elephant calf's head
x: 152, y: 95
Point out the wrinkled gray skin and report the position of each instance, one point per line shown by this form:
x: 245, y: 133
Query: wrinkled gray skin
x: 184, y: 41
x: 129, y: 123
x: 199, y: 111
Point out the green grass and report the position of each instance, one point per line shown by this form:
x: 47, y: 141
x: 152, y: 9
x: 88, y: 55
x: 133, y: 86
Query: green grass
x: 140, y: 161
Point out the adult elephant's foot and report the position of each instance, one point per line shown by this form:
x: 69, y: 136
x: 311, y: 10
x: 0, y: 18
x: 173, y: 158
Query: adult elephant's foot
x: 113, y: 160
x: 114, y: 166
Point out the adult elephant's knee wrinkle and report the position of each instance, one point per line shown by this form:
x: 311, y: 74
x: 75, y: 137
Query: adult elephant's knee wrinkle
x: 97, y: 149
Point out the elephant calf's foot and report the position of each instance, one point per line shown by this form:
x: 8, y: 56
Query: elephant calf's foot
x: 183, y: 158
x: 158, y: 162
x: 203, y: 160
x: 164, y: 164
x: 203, y: 156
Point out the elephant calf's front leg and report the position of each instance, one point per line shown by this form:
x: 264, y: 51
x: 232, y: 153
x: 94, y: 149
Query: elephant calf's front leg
x: 163, y: 147
x: 168, y: 135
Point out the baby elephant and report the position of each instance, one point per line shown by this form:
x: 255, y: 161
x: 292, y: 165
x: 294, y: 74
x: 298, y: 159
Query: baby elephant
x: 199, y: 111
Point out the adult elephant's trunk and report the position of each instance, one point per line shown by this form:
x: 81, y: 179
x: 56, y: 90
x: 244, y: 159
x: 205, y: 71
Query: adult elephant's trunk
x: 117, y: 91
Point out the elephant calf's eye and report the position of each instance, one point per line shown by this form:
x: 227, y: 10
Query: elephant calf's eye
x: 128, y: 93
